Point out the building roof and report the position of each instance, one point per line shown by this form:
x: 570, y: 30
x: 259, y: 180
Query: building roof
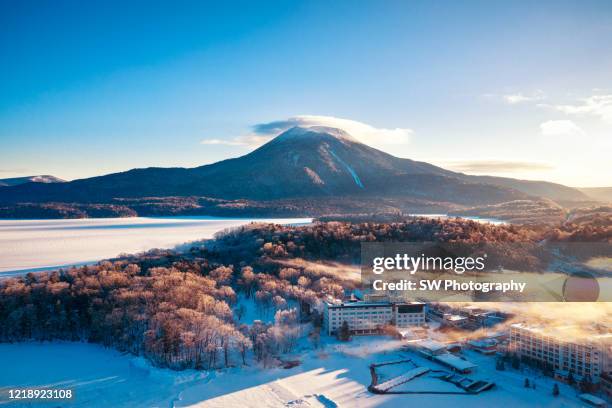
x: 483, y: 343
x: 431, y: 345
x: 363, y: 303
x: 359, y: 304
x: 455, y: 362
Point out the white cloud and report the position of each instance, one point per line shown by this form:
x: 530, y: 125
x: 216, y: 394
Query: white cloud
x: 496, y: 166
x: 595, y: 105
x: 220, y: 142
x: 363, y: 132
x: 247, y: 140
x: 516, y: 98
x: 560, y: 128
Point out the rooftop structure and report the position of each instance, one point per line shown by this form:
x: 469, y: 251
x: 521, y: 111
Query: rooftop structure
x: 436, y: 351
x: 456, y: 363
x: 430, y: 347
x: 468, y: 317
x: 484, y: 346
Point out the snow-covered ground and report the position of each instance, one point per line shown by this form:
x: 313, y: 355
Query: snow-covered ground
x: 335, y: 376
x: 252, y: 311
x: 98, y: 377
x: 30, y: 245
x: 339, y: 376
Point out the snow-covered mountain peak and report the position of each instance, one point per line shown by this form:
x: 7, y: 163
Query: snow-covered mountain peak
x: 300, y: 132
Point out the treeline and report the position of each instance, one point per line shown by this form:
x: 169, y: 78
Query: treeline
x: 208, y: 206
x: 517, y: 247
x: 175, y: 318
x: 592, y: 224
x: 341, y: 241
x: 148, y: 207
x: 531, y: 212
x: 64, y: 210
x: 184, y: 314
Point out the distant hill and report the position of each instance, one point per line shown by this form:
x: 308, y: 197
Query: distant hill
x: 598, y: 193
x: 545, y: 189
x: 30, y: 179
x: 314, y: 163
x: 541, y: 211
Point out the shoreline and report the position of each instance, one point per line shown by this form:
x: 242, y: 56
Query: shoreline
x: 45, y: 245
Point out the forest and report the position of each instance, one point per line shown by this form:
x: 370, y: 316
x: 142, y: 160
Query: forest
x: 208, y: 206
x: 186, y: 309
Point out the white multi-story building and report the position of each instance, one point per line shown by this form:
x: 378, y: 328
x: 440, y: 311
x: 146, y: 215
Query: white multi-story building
x: 564, y: 350
x: 367, y: 317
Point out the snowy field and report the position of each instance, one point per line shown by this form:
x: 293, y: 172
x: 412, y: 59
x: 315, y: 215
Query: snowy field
x: 335, y: 376
x: 339, y: 376
x: 34, y: 245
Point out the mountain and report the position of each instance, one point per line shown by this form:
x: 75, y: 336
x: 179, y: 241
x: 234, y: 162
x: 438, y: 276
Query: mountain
x: 30, y: 179
x: 313, y: 162
x: 598, y: 193
x: 545, y: 189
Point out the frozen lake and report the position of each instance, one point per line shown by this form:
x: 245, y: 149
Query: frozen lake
x: 36, y: 245
x: 97, y: 376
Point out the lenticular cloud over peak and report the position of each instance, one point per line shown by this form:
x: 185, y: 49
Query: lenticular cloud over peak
x: 361, y: 131
x: 368, y: 134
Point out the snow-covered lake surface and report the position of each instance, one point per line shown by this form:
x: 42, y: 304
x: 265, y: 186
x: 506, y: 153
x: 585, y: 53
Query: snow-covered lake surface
x: 35, y: 245
x: 97, y: 376
x: 335, y: 376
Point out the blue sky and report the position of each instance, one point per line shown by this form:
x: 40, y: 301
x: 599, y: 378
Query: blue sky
x: 519, y: 88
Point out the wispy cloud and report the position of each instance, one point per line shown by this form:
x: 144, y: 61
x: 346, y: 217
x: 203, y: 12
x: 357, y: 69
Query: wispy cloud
x: 496, y: 166
x: 16, y: 170
x: 247, y: 140
x: 560, y: 128
x: 263, y: 132
x: 221, y: 142
x: 516, y: 98
x: 595, y: 105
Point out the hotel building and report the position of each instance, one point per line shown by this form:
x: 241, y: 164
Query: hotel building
x: 563, y: 350
x: 370, y: 317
